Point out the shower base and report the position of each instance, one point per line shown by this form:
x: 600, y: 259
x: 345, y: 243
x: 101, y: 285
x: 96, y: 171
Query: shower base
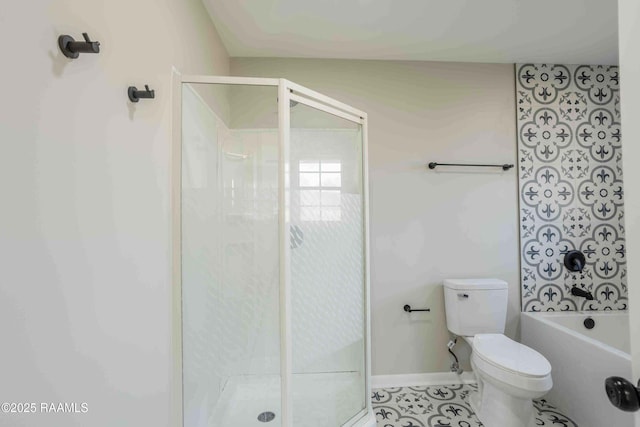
x: 319, y: 400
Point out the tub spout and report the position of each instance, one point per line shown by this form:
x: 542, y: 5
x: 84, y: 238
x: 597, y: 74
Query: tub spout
x: 581, y: 293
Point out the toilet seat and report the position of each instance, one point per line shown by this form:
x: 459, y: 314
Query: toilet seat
x: 505, y: 353
x: 511, y: 363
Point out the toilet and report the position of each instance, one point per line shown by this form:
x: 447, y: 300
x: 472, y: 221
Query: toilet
x: 509, y: 374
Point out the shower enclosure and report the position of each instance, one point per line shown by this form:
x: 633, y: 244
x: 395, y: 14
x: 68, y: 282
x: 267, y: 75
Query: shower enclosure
x: 270, y: 256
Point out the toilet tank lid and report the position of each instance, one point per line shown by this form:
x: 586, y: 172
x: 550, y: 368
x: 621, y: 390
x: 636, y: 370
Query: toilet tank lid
x: 469, y: 284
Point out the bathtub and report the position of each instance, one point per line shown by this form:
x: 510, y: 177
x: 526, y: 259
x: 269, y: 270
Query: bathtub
x: 580, y: 360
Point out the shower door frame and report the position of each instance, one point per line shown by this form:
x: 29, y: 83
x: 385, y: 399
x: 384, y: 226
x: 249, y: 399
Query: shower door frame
x: 287, y: 91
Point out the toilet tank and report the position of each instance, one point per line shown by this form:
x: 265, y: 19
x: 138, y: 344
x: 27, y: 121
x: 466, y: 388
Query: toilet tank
x: 475, y: 306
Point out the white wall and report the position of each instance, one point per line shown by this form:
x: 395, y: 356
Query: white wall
x: 84, y: 224
x: 425, y: 225
x: 629, y: 27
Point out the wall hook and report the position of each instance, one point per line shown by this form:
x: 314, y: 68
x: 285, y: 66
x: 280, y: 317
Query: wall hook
x: 72, y: 49
x: 135, y: 94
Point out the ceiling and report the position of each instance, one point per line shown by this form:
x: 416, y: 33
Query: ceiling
x: 553, y: 31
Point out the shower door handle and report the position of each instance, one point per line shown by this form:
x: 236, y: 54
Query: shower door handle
x: 622, y: 394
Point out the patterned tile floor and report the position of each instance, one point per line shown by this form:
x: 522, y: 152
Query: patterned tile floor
x: 448, y: 406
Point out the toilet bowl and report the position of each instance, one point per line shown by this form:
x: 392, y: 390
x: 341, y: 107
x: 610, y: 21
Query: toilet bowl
x: 509, y: 374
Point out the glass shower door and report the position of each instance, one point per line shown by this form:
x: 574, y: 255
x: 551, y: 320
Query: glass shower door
x: 270, y: 256
x: 230, y: 258
x: 327, y: 266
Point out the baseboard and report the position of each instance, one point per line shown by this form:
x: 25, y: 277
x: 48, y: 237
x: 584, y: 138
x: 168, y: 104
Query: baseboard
x: 410, y: 380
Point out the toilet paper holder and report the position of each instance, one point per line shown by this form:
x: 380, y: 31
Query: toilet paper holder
x: 408, y: 309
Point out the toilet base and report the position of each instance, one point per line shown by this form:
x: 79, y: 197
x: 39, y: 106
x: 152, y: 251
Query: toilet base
x: 495, y: 408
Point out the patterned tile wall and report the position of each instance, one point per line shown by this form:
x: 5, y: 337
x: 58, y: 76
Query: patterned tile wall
x: 570, y: 180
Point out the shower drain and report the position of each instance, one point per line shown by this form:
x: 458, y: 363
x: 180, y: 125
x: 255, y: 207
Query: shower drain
x: 267, y: 416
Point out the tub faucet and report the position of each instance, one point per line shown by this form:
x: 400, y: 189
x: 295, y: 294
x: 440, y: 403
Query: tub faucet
x: 580, y: 293
x: 574, y: 260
